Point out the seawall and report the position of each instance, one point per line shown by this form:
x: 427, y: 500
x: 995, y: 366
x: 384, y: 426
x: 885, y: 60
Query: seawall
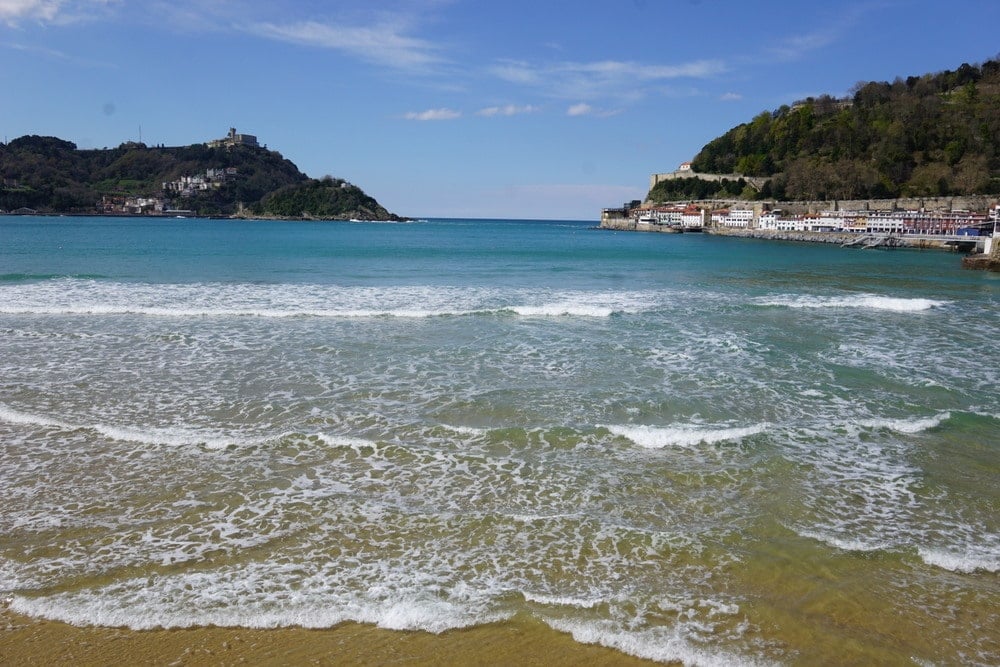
x: 840, y: 238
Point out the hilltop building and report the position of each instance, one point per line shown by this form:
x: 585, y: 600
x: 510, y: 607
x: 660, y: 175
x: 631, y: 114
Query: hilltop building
x: 235, y: 139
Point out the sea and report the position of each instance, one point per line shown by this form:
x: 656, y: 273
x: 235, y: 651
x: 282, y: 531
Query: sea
x: 687, y: 448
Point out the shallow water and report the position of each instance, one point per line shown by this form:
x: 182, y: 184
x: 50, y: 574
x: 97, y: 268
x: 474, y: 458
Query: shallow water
x: 685, y: 448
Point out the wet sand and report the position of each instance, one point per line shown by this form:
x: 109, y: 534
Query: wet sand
x: 29, y: 641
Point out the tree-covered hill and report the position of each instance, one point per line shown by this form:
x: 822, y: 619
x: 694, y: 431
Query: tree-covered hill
x: 930, y: 135
x: 53, y: 176
x: 327, y: 198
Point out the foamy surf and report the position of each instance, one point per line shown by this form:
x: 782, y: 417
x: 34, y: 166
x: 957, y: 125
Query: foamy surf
x: 178, y: 436
x: 683, y: 435
x: 865, y: 301
x: 907, y: 426
x: 72, y: 297
x: 965, y: 563
x: 562, y: 600
x: 855, y: 544
x: 664, y: 644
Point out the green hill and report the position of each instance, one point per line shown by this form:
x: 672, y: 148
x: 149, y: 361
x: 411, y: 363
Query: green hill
x: 53, y: 176
x: 931, y: 135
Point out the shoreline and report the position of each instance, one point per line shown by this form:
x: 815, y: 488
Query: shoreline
x: 30, y: 641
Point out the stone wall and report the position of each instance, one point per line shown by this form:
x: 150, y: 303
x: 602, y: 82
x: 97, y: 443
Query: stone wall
x: 756, y: 181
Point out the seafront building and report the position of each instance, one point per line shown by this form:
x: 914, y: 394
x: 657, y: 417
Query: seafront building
x: 889, y: 217
x: 697, y: 216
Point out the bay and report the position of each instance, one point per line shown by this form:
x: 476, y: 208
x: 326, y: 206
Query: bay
x: 682, y: 447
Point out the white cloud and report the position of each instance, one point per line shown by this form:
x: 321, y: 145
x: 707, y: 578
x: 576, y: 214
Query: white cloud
x: 48, y: 11
x: 382, y: 43
x: 433, y: 114
x: 730, y: 97
x: 506, y: 110
x: 13, y: 10
x: 584, y: 109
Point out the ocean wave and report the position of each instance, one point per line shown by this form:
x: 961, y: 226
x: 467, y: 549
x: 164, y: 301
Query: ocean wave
x: 684, y: 435
x: 907, y: 426
x: 867, y: 301
x: 176, y: 436
x: 855, y: 544
x: 262, y: 596
x: 277, y: 313
x: 966, y: 563
x: 89, y: 297
x: 658, y: 644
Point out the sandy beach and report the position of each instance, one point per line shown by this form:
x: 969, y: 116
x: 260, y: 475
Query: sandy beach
x: 29, y: 641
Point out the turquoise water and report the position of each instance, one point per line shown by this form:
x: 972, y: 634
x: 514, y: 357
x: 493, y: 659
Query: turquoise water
x: 685, y: 447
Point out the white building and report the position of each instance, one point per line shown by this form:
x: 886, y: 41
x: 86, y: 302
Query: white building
x: 768, y: 219
x: 739, y: 218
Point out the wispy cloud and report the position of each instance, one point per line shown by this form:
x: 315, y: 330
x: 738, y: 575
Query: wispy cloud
x: 584, y: 109
x: 730, y: 97
x: 507, y: 110
x: 433, y: 114
x: 383, y: 43
x: 13, y: 12
x: 832, y: 31
x: 595, y: 80
x: 795, y: 47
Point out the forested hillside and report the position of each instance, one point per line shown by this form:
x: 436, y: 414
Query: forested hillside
x: 52, y: 176
x: 930, y: 135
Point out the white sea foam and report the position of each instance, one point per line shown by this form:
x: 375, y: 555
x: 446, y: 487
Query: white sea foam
x: 684, y: 435
x: 345, y: 441
x: 88, y: 297
x: 659, y: 644
x: 563, y: 309
x: 856, y: 544
x: 467, y: 430
x: 12, y: 416
x: 868, y: 301
x: 562, y: 600
x: 965, y: 563
x: 908, y: 426
x: 172, y: 436
x: 269, y: 595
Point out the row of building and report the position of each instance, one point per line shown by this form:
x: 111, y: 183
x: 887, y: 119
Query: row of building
x: 694, y: 217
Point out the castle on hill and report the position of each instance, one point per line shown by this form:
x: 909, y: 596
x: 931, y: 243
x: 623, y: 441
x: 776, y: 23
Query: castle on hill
x: 234, y: 139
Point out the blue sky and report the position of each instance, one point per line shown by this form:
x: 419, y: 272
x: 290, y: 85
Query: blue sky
x: 460, y: 108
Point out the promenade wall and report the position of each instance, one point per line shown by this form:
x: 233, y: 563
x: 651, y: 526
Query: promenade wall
x: 839, y: 238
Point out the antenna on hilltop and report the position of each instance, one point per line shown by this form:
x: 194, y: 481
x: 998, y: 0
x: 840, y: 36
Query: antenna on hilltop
x: 140, y: 133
